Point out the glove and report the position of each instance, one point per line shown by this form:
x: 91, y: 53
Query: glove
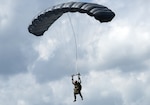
x: 72, y: 77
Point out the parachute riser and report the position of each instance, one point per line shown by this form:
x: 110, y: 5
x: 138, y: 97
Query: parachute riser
x: 76, y: 43
x: 78, y: 74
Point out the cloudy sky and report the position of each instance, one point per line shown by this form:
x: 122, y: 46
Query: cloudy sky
x: 113, y: 58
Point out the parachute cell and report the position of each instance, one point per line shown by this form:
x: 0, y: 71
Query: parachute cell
x: 44, y: 20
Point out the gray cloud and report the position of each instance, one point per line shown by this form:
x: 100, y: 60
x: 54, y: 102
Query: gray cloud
x: 14, y: 40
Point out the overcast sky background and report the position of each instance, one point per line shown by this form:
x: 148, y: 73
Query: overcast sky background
x: 113, y: 58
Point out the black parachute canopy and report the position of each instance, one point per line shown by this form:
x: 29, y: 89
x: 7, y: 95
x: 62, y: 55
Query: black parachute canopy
x: 44, y: 20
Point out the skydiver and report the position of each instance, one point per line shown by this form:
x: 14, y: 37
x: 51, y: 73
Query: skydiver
x: 77, y: 87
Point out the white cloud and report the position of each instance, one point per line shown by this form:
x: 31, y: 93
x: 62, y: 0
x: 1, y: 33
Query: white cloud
x: 6, y: 13
x: 98, y: 88
x: 124, y: 89
x: 46, y: 49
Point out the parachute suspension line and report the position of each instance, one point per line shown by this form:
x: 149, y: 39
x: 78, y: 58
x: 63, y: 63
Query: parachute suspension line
x: 76, y: 46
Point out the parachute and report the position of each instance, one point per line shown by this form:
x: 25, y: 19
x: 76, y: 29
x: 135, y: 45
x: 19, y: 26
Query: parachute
x: 45, y: 19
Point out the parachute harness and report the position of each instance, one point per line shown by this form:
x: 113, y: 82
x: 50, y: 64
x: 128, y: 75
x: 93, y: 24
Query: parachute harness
x: 76, y: 46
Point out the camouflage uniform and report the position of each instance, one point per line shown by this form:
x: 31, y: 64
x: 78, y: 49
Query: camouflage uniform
x: 77, y: 88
